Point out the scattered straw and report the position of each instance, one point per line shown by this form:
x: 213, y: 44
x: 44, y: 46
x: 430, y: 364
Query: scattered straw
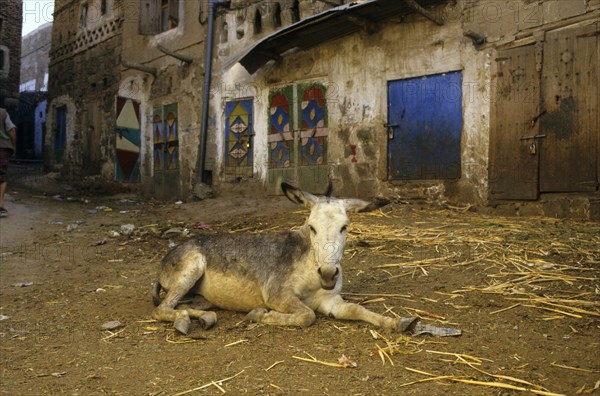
x: 504, y: 309
x: 492, y: 384
x: 216, y: 384
x: 235, y: 343
x: 313, y: 359
x: 112, y: 334
x: 461, y: 356
x: 421, y: 312
x: 179, y: 340
x: 274, y: 364
x: 573, y: 368
x: 402, y: 345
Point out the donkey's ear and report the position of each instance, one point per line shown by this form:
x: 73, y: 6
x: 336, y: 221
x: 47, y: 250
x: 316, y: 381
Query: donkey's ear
x: 358, y: 205
x: 298, y: 196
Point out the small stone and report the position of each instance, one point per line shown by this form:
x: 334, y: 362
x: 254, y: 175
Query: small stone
x: 127, y: 229
x: 112, y: 325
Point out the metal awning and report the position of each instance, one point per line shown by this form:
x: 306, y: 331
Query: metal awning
x: 326, y: 26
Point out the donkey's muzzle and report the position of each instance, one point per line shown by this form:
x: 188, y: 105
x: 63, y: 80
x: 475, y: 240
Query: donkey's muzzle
x: 329, y: 277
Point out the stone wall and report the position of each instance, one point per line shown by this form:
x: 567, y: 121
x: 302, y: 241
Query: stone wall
x: 84, y: 78
x: 157, y: 80
x: 35, y: 51
x: 10, y: 45
x: 358, y: 68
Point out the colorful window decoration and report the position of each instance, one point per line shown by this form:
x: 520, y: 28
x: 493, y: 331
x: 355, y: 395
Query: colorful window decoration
x: 157, y: 128
x: 281, y: 138
x: 238, y: 134
x: 127, y: 164
x: 166, y: 138
x: 312, y: 108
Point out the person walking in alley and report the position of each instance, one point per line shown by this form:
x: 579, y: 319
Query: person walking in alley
x: 8, y: 144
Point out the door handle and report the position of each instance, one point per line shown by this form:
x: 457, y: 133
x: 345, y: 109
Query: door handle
x: 390, y: 130
x: 532, y: 137
x: 536, y: 118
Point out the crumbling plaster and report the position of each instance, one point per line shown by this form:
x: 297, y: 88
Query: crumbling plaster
x: 175, y: 82
x: 356, y: 70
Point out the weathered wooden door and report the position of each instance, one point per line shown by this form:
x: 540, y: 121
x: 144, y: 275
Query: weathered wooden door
x: 570, y: 86
x: 424, y: 127
x: 60, y: 137
x: 298, y: 133
x: 239, y: 142
x: 514, y: 140
x: 92, y: 163
x: 166, y: 152
x: 544, y: 135
x: 127, y: 162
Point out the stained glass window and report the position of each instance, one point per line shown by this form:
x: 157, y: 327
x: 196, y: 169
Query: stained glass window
x: 313, y: 124
x: 281, y: 138
x: 239, y: 132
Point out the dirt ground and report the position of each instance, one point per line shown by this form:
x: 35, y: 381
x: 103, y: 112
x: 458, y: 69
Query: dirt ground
x: 524, y: 291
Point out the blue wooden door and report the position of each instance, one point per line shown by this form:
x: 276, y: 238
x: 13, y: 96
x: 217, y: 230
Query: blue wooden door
x: 424, y: 127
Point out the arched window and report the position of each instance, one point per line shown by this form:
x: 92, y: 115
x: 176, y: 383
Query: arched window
x: 277, y: 16
x: 296, y: 11
x: 239, y: 31
x: 225, y: 33
x: 257, y: 22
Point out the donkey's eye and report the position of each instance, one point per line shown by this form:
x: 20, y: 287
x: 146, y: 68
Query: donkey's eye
x: 344, y: 228
x: 312, y: 229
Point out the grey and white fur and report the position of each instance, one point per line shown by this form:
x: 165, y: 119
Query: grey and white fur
x: 278, y: 278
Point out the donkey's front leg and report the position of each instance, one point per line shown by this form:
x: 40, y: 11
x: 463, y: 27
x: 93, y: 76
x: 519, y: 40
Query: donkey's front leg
x: 285, y: 311
x: 336, y: 307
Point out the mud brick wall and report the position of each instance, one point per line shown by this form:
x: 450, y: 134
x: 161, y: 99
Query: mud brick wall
x: 83, y: 77
x: 10, y: 43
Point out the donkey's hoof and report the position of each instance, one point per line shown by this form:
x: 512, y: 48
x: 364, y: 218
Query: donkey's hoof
x: 208, y: 320
x: 407, y: 324
x: 255, y: 315
x: 182, y: 325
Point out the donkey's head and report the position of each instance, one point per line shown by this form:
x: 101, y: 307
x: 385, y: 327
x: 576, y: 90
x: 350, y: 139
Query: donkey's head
x: 326, y: 226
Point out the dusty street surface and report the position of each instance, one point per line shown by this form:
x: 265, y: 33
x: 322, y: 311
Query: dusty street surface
x: 525, y: 292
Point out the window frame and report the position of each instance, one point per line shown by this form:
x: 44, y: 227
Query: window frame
x: 158, y: 16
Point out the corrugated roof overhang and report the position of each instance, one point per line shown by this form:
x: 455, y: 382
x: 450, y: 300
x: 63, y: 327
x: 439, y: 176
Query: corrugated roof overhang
x: 326, y: 26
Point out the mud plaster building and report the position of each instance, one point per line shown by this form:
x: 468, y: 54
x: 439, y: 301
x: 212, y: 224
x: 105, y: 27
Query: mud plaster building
x: 124, y: 92
x: 480, y: 101
x: 35, y: 49
x: 83, y: 84
x: 11, y: 20
x: 475, y: 101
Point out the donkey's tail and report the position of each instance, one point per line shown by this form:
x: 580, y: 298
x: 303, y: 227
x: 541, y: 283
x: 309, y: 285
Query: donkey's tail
x: 156, y: 293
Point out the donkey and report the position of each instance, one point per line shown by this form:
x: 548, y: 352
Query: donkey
x: 277, y: 278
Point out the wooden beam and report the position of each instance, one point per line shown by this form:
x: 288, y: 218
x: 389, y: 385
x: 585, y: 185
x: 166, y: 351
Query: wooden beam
x: 183, y: 58
x: 427, y: 14
x: 367, y: 25
x: 269, y: 54
x: 137, y: 66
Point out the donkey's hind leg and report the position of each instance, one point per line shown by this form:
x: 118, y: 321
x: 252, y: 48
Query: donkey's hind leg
x: 208, y: 318
x: 166, y: 311
x: 180, y: 272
